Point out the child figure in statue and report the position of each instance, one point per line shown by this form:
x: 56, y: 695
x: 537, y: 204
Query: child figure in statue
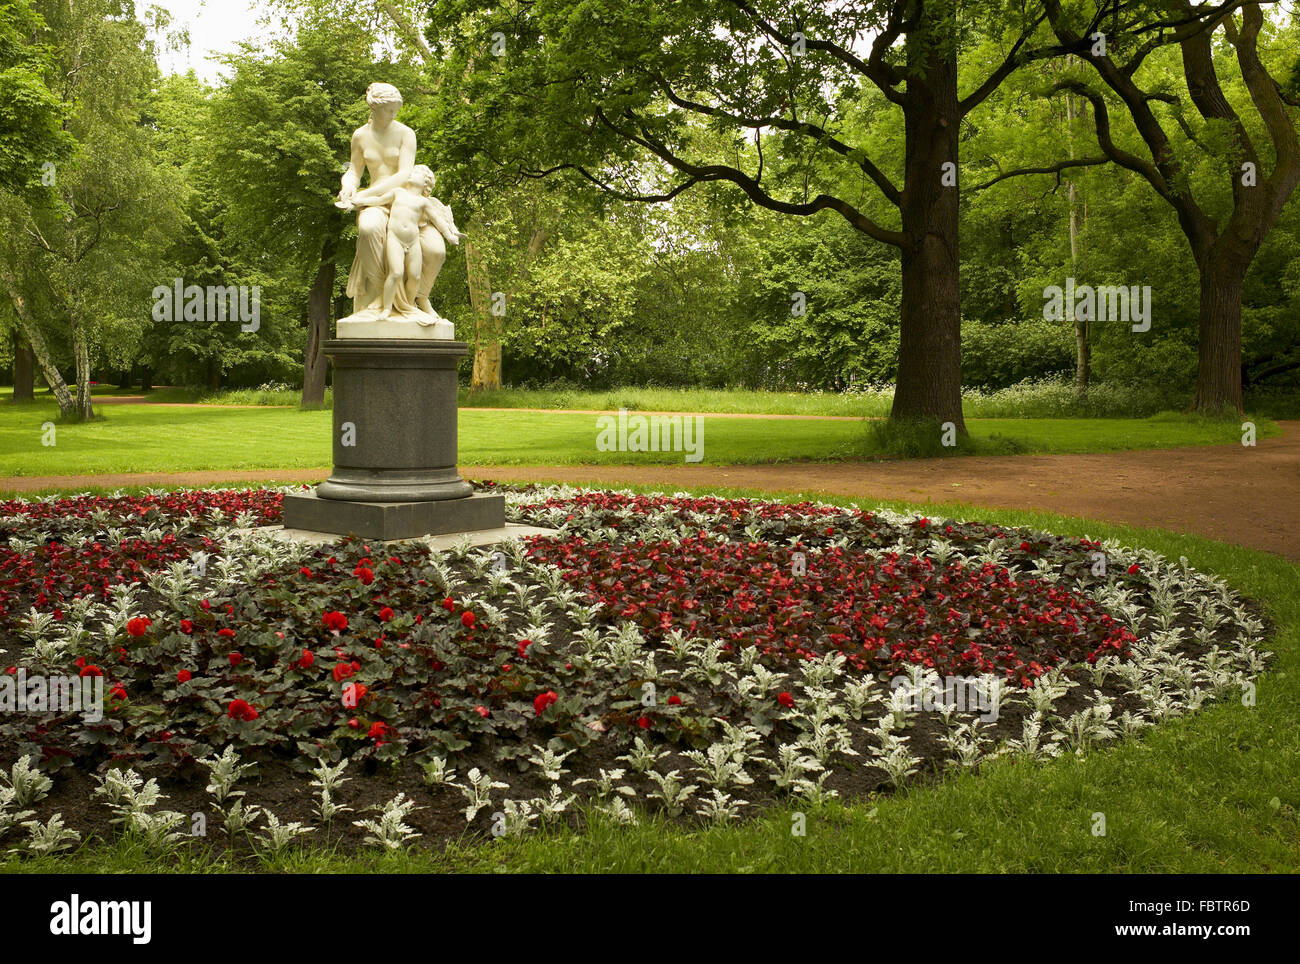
x: 411, y: 211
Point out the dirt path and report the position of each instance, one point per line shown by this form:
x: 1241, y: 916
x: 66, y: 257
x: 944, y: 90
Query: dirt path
x: 145, y: 400
x: 1247, y: 496
x: 638, y: 411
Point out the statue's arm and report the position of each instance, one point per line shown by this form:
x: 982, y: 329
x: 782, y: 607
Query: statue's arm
x: 368, y: 198
x: 352, y: 176
x: 364, y: 199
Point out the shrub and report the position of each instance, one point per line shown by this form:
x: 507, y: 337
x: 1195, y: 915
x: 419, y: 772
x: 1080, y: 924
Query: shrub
x: 1058, y: 398
x: 1000, y: 355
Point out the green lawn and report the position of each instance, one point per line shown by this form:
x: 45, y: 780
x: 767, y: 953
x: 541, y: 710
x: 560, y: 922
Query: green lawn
x: 858, y: 404
x: 1217, y: 792
x: 148, y: 438
x: 1042, y: 399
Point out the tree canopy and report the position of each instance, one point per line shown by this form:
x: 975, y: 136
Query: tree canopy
x: 770, y: 193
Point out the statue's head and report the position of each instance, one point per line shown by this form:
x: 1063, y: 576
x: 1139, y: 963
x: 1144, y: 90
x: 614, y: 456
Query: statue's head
x: 422, y: 179
x: 384, y: 100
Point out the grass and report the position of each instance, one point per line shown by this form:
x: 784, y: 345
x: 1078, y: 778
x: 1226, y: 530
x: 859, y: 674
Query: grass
x: 147, y: 438
x: 1041, y: 399
x: 1047, y: 398
x: 1216, y: 792
x: 731, y: 400
x: 160, y: 394
x: 932, y: 439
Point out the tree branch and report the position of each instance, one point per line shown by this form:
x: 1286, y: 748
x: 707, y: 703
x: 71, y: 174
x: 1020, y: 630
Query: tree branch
x: 1162, y: 171
x: 1264, y: 90
x: 874, y: 68
x: 1053, y: 169
x: 700, y: 173
x: 815, y: 131
x: 1009, y: 65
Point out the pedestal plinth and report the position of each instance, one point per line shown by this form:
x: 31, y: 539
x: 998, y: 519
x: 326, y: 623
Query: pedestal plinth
x: 394, y: 471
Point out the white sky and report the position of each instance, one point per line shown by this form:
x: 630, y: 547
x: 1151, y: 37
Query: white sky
x: 214, y: 25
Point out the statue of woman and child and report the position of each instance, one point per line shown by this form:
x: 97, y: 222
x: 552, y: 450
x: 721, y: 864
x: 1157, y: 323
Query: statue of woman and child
x: 401, y: 229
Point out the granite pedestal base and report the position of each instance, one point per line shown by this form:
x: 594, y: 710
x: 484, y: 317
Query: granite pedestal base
x: 394, y: 520
x: 394, y: 473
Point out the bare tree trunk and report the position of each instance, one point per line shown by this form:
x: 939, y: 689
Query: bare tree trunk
x: 41, y: 351
x: 81, y: 351
x: 318, y: 329
x: 929, y: 341
x: 486, y: 375
x: 1082, y: 346
x: 1082, y: 339
x: 488, y: 326
x: 24, y: 372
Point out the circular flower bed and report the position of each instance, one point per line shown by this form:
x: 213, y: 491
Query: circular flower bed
x: 699, y: 657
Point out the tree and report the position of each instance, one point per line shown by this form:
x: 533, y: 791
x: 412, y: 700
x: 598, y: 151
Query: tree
x: 499, y: 222
x: 280, y: 136
x: 1225, y: 220
x: 1082, y: 335
x: 206, y: 350
x: 618, y: 92
x: 503, y: 244
x: 32, y: 139
x: 83, y: 254
x: 32, y: 145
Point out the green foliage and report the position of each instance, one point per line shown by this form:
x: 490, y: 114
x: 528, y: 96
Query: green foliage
x: 200, y: 352
x: 31, y: 115
x: 270, y: 393
x: 599, y: 292
x: 1059, y: 398
x: 83, y: 253
x: 997, y: 356
x: 821, y: 304
x: 280, y: 135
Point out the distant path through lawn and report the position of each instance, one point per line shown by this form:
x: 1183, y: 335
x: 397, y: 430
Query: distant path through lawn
x: 1246, y: 496
x: 146, y: 400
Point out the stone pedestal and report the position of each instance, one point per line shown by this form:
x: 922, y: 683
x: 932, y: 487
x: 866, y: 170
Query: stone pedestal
x: 394, y: 471
x: 368, y: 325
x: 393, y: 520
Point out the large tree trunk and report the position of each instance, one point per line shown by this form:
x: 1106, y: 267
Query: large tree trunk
x: 36, y: 339
x: 489, y: 327
x: 314, y: 363
x: 81, y: 351
x: 486, y: 375
x: 62, y: 395
x: 929, y: 340
x: 24, y: 370
x: 1218, y: 377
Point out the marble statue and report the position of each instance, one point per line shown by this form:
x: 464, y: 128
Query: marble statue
x: 402, y: 230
